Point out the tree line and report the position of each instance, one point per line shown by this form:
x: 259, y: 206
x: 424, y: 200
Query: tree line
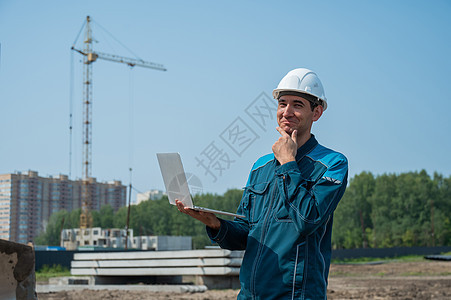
x: 389, y: 210
x: 153, y: 217
x: 394, y: 210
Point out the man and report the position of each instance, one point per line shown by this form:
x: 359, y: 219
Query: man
x: 288, y: 203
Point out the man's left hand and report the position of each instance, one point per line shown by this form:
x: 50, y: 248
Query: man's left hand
x: 285, y: 148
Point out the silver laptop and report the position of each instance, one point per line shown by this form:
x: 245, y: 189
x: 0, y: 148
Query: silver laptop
x: 176, y: 184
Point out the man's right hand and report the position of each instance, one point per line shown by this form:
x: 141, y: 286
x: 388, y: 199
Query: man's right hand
x: 207, y: 218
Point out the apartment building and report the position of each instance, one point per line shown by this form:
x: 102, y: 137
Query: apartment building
x: 97, y: 237
x: 149, y: 195
x: 27, y: 201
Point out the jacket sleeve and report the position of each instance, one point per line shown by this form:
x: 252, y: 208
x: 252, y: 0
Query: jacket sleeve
x: 309, y: 204
x: 232, y: 235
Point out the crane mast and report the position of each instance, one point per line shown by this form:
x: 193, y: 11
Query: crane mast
x: 85, y: 217
x: 89, y: 56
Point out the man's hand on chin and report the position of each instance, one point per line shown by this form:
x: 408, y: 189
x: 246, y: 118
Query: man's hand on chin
x: 285, y: 148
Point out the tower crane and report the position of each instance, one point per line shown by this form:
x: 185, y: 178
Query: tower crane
x: 90, y: 56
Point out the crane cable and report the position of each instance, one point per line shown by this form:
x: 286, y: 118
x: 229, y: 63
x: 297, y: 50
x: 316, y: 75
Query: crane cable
x: 71, y: 98
x: 78, y: 35
x: 130, y: 119
x: 130, y: 149
x: 119, y: 42
x: 130, y: 129
x: 71, y: 107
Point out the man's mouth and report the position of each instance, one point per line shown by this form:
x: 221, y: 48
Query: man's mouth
x: 286, y: 123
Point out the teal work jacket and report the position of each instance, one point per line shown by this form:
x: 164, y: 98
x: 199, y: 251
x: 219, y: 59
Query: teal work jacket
x: 287, y: 227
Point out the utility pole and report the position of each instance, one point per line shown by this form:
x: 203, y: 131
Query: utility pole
x: 432, y: 222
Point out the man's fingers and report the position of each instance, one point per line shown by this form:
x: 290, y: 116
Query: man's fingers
x: 181, y: 207
x: 294, y: 136
x: 281, y: 131
x: 185, y: 210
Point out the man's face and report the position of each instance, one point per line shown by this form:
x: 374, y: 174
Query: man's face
x: 294, y: 112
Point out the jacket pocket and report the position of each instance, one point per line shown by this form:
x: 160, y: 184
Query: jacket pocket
x: 282, y: 215
x: 254, y: 201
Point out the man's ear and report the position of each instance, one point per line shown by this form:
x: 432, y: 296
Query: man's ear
x: 317, y: 112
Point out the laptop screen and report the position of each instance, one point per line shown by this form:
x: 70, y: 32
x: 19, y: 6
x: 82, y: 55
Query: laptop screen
x: 174, y: 178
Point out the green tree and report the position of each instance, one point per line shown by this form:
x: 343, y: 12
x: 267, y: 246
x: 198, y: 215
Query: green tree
x: 106, y: 216
x: 352, y: 216
x: 52, y: 234
x: 120, y: 218
x: 73, y: 220
x: 408, y: 209
x: 441, y: 210
x: 382, y: 213
x: 95, y: 215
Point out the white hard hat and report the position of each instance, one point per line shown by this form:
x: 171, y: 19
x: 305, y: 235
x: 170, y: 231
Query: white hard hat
x: 302, y: 81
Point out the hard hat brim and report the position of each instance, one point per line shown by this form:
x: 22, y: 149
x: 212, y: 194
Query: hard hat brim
x: 296, y: 92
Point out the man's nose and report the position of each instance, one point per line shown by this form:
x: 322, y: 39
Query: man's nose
x: 288, y: 110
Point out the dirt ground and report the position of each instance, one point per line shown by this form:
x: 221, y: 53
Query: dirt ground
x: 408, y: 280
x: 394, y: 280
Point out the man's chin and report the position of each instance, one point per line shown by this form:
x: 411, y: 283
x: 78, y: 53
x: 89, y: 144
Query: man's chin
x: 287, y: 129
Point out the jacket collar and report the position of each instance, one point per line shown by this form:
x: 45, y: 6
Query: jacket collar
x: 306, y: 148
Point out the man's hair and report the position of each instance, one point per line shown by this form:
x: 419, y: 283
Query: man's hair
x: 313, y: 105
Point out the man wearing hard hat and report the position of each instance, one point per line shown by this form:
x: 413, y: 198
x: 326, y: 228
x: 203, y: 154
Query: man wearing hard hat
x: 288, y: 202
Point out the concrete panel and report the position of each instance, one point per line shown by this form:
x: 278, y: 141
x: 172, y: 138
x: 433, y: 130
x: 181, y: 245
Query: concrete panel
x: 155, y: 271
x: 189, y: 262
x: 117, y: 280
x: 149, y: 288
x: 217, y: 268
x: 17, y: 278
x: 157, y: 254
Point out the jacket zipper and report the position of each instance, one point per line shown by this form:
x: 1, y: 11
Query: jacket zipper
x: 260, y: 246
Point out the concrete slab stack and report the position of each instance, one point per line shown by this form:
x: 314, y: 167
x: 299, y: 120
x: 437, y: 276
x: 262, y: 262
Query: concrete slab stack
x: 215, y: 268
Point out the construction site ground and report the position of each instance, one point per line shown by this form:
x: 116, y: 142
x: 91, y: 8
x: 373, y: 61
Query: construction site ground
x: 426, y: 279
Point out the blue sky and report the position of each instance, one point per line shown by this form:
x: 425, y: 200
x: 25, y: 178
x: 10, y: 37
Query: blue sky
x: 385, y: 67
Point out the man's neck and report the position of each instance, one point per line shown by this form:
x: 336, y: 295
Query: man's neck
x: 301, y: 140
